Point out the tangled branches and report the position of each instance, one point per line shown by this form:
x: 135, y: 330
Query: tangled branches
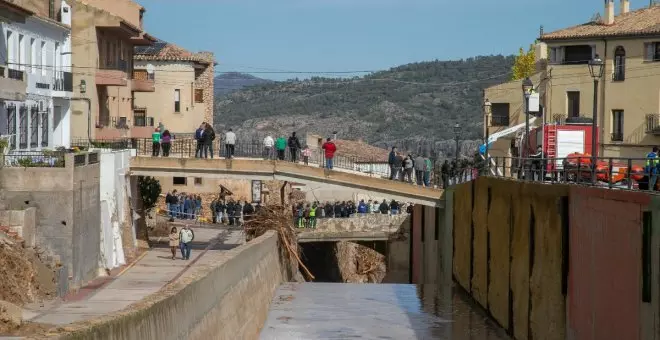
x: 279, y: 219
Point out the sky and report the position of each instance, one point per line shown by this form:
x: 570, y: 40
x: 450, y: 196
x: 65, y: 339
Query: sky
x: 255, y: 36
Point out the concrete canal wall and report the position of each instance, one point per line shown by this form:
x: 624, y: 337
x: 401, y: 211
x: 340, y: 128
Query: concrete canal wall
x: 228, y: 299
x: 547, y: 261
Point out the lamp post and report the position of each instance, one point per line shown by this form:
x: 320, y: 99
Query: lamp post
x: 487, y: 111
x: 527, y: 87
x: 457, y: 130
x: 596, y: 68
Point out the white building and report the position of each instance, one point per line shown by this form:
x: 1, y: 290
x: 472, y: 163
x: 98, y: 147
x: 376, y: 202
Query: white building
x: 38, y: 51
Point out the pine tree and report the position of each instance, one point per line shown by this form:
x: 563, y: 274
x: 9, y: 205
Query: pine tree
x: 149, y: 192
x: 525, y: 64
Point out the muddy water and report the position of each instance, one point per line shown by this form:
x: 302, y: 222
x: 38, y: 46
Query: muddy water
x: 375, y: 311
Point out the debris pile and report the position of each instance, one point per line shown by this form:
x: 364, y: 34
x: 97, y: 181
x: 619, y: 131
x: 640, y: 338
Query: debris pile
x: 279, y: 219
x: 360, y: 264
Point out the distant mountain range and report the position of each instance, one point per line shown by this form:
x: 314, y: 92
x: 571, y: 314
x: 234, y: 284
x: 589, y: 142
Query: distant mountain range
x: 413, y: 106
x: 229, y: 82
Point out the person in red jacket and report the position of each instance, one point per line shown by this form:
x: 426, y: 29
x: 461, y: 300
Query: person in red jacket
x: 330, y: 149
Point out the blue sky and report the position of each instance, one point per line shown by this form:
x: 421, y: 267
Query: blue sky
x: 347, y: 35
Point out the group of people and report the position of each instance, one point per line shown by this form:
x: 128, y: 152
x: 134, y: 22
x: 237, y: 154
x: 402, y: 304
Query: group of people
x: 408, y: 168
x: 306, y: 215
x: 278, y: 147
x: 182, y: 240
x: 183, y: 206
x: 232, y: 212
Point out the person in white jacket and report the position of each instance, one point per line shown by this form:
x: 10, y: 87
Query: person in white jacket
x: 230, y: 142
x: 269, y: 143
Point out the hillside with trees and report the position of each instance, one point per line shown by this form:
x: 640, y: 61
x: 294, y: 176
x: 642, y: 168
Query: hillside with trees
x: 410, y: 105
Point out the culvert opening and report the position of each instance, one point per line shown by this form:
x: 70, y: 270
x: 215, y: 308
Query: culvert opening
x: 348, y: 262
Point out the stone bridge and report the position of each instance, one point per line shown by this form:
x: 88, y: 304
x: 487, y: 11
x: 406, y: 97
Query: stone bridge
x: 257, y: 169
x: 368, y: 227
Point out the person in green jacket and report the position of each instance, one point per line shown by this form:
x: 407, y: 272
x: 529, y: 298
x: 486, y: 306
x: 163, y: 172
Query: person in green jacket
x: 280, y: 146
x: 428, y: 166
x: 155, y: 139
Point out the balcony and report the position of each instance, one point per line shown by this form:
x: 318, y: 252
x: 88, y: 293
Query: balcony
x: 112, y: 74
x: 653, y: 124
x: 617, y: 136
x: 12, y: 84
x: 143, y: 81
x: 559, y: 118
x: 63, y: 81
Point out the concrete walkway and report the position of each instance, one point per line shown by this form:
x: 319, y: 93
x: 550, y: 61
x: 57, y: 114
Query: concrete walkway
x: 147, y: 276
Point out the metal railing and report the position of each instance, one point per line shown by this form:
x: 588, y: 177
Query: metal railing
x: 15, y: 74
x: 143, y: 75
x: 652, y: 121
x: 611, y: 172
x: 499, y: 121
x: 34, y: 159
x: 617, y: 136
x: 2, y: 72
x: 63, y: 81
x: 559, y: 118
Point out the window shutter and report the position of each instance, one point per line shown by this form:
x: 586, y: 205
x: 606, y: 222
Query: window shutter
x: 553, y: 55
x: 649, y: 51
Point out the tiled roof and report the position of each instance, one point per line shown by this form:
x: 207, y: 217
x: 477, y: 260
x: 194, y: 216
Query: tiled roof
x: 644, y: 21
x: 164, y: 51
x: 362, y: 151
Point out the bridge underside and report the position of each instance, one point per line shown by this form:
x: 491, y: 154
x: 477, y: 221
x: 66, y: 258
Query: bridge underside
x: 284, y: 171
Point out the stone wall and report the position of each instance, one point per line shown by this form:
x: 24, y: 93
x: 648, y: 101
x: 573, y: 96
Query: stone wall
x: 67, y: 212
x: 22, y: 222
x: 206, y: 82
x: 367, y: 222
x: 228, y: 299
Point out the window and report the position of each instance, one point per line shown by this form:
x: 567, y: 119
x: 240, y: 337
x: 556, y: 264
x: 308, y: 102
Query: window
x: 140, y: 117
x: 56, y: 58
x: 10, y: 49
x: 199, y: 95
x: 198, y: 181
x: 21, y: 52
x: 617, y: 125
x: 43, y: 58
x: 573, y: 103
x: 576, y: 54
x: 33, y: 55
x: 179, y: 181
x: 652, y: 51
x: 619, y: 64
x: 499, y: 114
x: 177, y: 100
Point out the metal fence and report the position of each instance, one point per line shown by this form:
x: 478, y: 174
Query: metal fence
x: 34, y: 159
x: 612, y: 172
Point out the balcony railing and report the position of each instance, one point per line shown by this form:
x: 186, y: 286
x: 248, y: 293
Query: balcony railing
x: 119, y: 65
x: 15, y: 74
x: 499, y: 121
x: 617, y: 136
x: 143, y: 121
x: 112, y: 122
x: 559, y: 118
x: 63, y: 82
x: 653, y: 123
x: 143, y: 75
x: 2, y: 71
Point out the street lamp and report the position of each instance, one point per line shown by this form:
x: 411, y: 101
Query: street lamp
x: 457, y: 130
x: 487, y: 110
x: 596, y: 68
x: 527, y: 87
x: 83, y: 86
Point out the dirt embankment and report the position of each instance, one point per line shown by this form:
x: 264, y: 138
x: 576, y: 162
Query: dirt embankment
x: 25, y: 279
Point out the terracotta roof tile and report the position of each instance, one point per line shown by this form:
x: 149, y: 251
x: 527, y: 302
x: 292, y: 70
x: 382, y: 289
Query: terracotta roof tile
x: 644, y: 21
x: 164, y: 51
x: 362, y: 151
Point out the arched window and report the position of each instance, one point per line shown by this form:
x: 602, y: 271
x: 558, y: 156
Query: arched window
x: 619, y: 64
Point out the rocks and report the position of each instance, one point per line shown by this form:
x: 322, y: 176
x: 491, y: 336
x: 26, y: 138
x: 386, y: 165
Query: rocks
x: 11, y: 315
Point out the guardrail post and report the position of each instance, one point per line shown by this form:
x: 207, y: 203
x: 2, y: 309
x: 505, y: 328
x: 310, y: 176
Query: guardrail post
x: 610, y: 174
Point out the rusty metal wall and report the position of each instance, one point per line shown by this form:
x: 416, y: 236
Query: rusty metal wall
x: 604, y: 281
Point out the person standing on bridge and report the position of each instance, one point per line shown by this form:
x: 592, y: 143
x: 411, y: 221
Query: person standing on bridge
x: 280, y: 146
x: 391, y: 160
x: 330, y: 148
x: 166, y: 143
x: 186, y: 236
x: 408, y: 168
x: 207, y: 138
x: 268, y: 147
x: 419, y: 170
x: 306, y: 154
x: 155, y: 143
x: 294, y: 147
x: 230, y: 142
x: 199, y: 137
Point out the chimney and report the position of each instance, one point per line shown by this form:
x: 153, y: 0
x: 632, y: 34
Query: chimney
x: 625, y: 6
x: 609, y: 12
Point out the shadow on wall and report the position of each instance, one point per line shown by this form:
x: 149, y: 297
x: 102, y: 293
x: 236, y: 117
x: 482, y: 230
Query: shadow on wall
x: 539, y: 258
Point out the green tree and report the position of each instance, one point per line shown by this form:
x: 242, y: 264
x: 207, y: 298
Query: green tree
x: 525, y: 64
x: 149, y: 192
